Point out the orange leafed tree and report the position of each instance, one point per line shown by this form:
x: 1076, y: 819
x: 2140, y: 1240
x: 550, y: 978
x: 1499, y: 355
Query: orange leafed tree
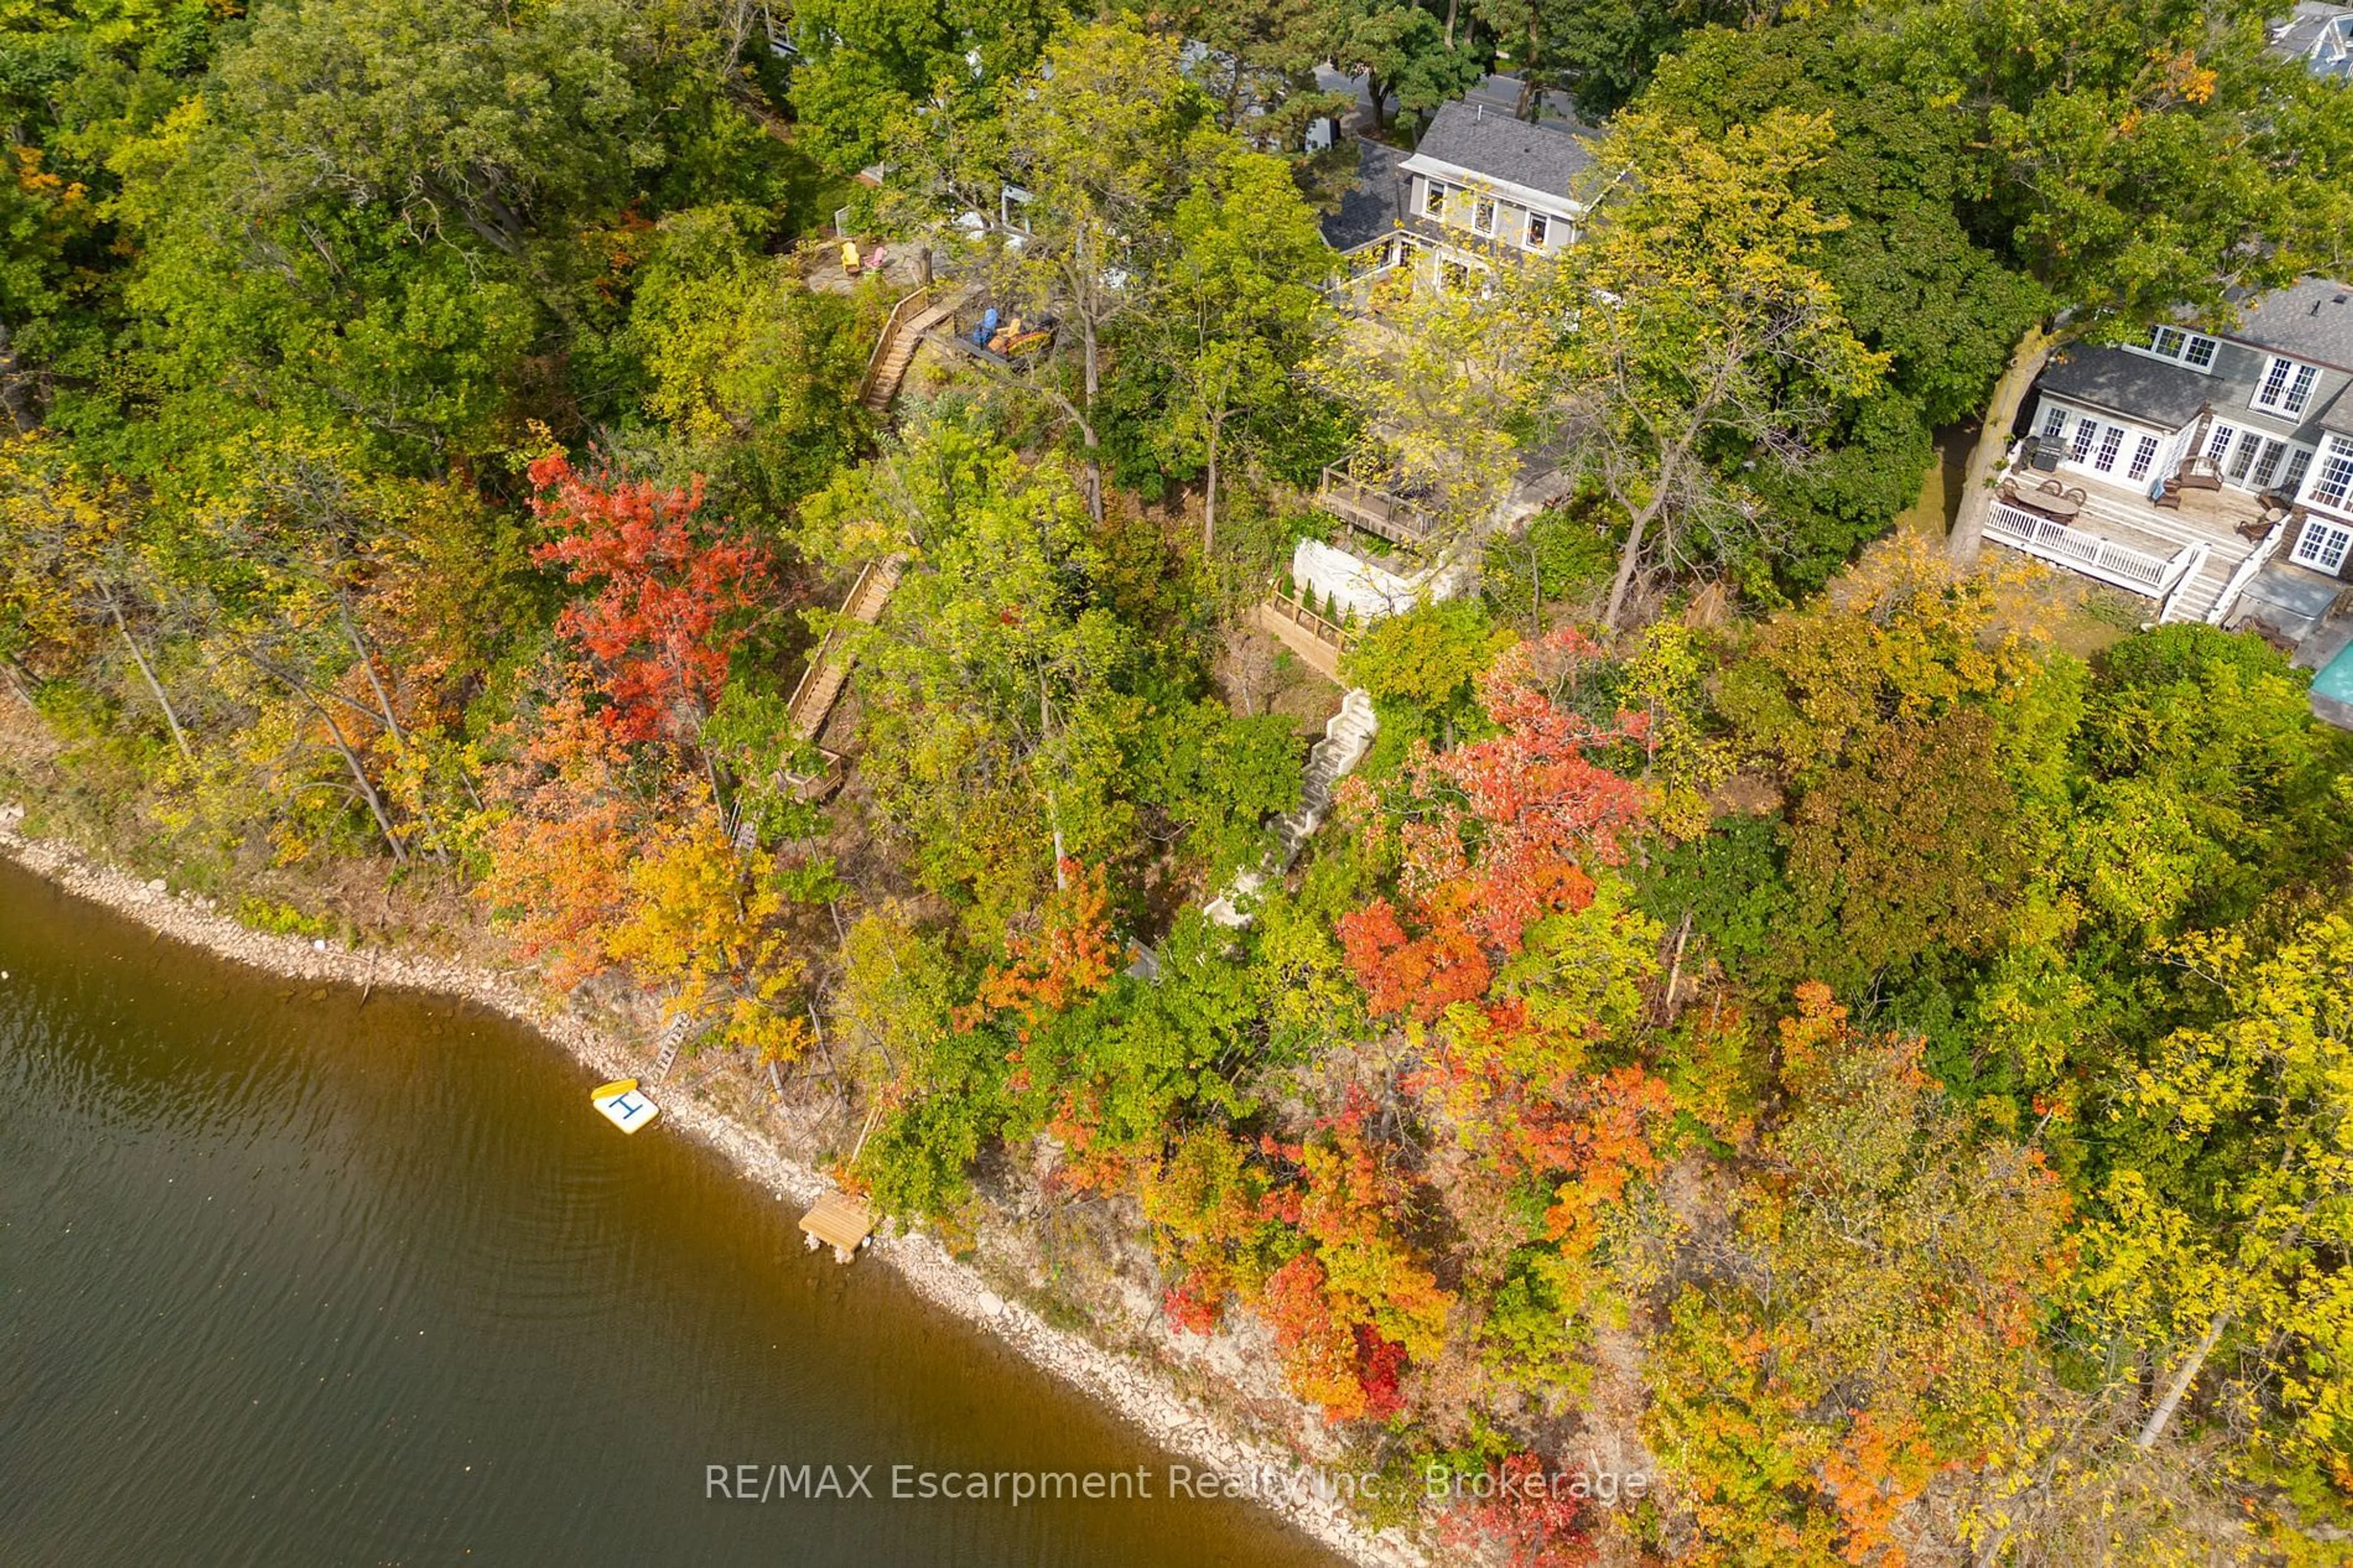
x: 1072, y: 956
x: 1493, y: 836
x: 670, y: 597
x: 569, y: 821
x: 1499, y: 840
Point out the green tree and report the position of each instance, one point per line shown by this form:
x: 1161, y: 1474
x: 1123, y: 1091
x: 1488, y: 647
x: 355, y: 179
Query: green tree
x: 1104, y: 136
x: 1238, y: 308
x: 1703, y: 332
x: 2224, y: 1235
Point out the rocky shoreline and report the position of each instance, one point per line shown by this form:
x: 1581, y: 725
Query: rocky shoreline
x: 1139, y: 1393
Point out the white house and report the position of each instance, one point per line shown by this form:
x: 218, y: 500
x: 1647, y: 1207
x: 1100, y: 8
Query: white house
x: 2181, y: 466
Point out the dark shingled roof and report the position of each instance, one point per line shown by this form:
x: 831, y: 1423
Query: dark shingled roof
x: 2310, y: 320
x: 2339, y: 415
x: 2138, y: 387
x: 1540, y: 157
x: 1371, y: 206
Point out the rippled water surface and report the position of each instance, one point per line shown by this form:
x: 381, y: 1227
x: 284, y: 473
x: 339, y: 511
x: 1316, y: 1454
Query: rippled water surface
x: 289, y: 1279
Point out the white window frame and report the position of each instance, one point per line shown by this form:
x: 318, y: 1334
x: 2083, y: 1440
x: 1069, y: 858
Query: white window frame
x: 2112, y: 441
x: 2286, y: 386
x: 1434, y: 195
x: 2299, y: 463
x: 2054, y: 422
x: 1537, y: 231
x: 2267, y: 465
x: 1487, y: 208
x: 2218, y: 445
x: 2182, y: 346
x: 2086, y: 432
x: 2323, y: 546
x: 1013, y: 208
x: 2333, y: 478
x: 2242, y: 456
x: 2144, y: 458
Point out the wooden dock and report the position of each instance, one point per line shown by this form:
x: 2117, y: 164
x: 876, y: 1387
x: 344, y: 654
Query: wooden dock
x: 840, y: 1222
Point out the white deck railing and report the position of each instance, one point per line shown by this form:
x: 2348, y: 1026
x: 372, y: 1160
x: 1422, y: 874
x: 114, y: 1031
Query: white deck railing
x: 2080, y: 550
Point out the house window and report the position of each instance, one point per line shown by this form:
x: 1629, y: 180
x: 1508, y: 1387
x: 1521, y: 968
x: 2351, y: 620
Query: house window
x: 1539, y: 230
x: 1455, y: 275
x: 2287, y: 387
x: 2336, y: 473
x: 2054, y: 421
x: 2299, y: 460
x: 1433, y: 200
x: 1483, y: 215
x: 2193, y: 348
x: 2143, y: 456
x: 2113, y: 439
x: 2321, y: 546
x: 2267, y: 467
x: 2223, y: 435
x: 2084, y: 430
x: 2246, y: 454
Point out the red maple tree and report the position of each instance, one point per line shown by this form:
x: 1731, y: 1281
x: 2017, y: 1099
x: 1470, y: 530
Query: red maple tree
x: 668, y: 599
x: 1494, y: 838
x: 1523, y: 1512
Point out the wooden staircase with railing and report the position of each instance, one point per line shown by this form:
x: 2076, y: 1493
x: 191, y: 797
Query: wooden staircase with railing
x: 819, y: 687
x: 915, y: 314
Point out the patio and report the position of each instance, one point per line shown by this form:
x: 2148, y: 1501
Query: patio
x: 2191, y: 559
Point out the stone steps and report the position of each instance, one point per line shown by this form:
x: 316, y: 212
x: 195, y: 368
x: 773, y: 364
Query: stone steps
x: 1348, y: 736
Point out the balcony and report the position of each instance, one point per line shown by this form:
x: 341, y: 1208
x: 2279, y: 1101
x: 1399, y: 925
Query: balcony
x: 1376, y: 510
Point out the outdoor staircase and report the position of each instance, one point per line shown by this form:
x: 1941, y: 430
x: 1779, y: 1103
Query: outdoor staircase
x: 903, y: 333
x: 820, y: 685
x: 1348, y: 736
x: 673, y: 1038
x: 2211, y: 592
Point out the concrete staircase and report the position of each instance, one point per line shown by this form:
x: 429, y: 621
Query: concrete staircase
x: 1348, y: 736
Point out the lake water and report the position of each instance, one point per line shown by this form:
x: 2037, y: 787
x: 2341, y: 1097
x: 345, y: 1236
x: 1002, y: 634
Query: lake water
x: 286, y: 1278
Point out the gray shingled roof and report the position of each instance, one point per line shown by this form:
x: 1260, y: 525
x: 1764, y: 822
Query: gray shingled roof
x: 1371, y: 206
x: 1540, y: 157
x: 2339, y: 415
x: 2295, y: 37
x: 2311, y: 320
x: 2151, y: 391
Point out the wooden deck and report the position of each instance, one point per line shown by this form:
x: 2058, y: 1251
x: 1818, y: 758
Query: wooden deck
x: 2188, y: 559
x: 840, y: 1222
x: 1318, y: 643
x: 1364, y: 505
